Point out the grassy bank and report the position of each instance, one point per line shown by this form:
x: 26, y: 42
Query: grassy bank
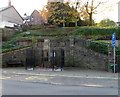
x: 41, y: 32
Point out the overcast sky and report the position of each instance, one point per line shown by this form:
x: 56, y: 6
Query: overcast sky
x: 27, y: 6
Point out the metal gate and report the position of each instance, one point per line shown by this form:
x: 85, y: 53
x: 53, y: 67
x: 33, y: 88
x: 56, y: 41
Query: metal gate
x: 57, y: 59
x: 45, y: 59
x: 30, y: 59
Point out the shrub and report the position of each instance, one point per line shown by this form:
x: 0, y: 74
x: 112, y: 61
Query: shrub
x: 102, y: 47
x: 99, y: 47
x: 107, y: 23
x: 11, y: 44
x: 94, y: 31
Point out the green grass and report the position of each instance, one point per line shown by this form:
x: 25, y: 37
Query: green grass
x: 83, y: 32
x: 93, y: 32
x: 11, y: 43
x: 49, y: 32
x: 54, y: 33
x: 14, y: 48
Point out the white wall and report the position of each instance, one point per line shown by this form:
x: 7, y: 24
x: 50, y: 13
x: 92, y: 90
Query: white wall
x: 119, y: 11
x: 10, y: 15
x: 0, y: 17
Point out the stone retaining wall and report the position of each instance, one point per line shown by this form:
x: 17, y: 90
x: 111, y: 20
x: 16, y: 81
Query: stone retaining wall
x: 76, y: 54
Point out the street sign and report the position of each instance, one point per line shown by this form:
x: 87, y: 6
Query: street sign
x: 113, y: 45
x: 113, y: 39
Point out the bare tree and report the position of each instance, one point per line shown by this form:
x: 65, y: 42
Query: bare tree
x: 76, y: 6
x: 91, y: 9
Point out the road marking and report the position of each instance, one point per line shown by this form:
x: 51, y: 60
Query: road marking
x: 56, y: 83
x: 37, y: 78
x: 4, y: 77
x: 79, y: 76
x: 24, y: 73
x: 93, y: 85
x: 70, y: 76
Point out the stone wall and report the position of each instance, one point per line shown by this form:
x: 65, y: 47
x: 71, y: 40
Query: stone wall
x: 7, y: 33
x: 82, y: 57
x: 16, y: 57
x: 76, y: 54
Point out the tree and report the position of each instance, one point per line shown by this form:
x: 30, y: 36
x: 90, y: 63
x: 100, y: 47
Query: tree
x: 60, y: 12
x: 106, y: 23
x: 87, y: 9
x: 44, y: 15
x: 91, y: 9
x: 77, y: 3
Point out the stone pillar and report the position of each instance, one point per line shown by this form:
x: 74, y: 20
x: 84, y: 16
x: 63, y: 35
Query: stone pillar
x: 46, y: 49
x: 110, y: 56
x: 72, y: 51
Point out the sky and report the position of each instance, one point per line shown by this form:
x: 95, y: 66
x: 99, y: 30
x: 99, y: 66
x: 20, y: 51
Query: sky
x: 108, y: 10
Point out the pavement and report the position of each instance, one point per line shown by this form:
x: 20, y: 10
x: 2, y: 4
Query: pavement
x: 69, y: 76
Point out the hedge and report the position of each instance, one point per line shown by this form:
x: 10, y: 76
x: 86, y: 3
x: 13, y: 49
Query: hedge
x: 87, y: 31
x: 102, y: 47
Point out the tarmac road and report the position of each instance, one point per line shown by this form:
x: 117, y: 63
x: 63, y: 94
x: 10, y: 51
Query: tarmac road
x: 17, y: 81
x: 11, y: 87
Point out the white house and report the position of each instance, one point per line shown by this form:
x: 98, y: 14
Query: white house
x: 9, y: 16
x: 119, y: 11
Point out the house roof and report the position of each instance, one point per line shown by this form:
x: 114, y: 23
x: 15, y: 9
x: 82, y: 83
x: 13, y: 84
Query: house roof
x: 34, y: 12
x: 5, y: 8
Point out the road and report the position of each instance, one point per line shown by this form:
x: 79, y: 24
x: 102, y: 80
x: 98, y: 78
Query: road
x: 17, y: 81
x: 13, y: 87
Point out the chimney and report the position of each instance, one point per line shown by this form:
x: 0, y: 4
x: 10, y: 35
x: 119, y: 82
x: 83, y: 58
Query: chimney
x: 9, y: 3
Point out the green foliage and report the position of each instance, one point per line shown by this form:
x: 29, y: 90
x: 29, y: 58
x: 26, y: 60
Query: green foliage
x: 93, y: 31
x: 34, y: 35
x: 35, y: 28
x: 11, y: 43
x: 106, y: 23
x: 60, y: 12
x: 50, y: 32
x: 55, y: 32
x: 14, y: 47
x: 25, y: 27
x: 99, y: 47
x: 118, y: 34
x: 118, y: 51
x: 102, y: 47
x: 86, y: 22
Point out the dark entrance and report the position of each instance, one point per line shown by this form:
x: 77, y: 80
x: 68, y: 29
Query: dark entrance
x: 30, y: 58
x: 57, y: 59
x: 43, y: 58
